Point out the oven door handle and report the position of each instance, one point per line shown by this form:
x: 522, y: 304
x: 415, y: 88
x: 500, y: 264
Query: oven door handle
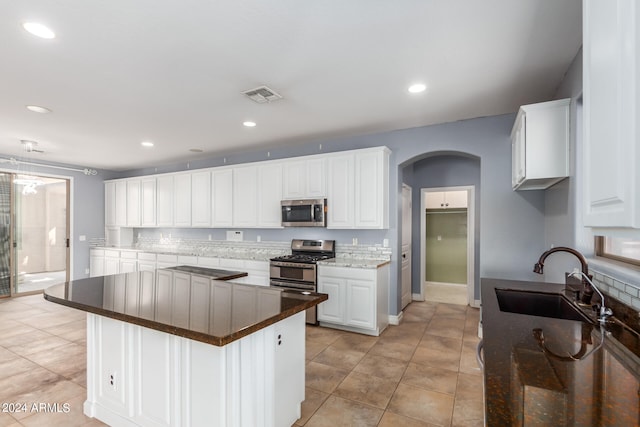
x: 300, y: 265
x: 289, y: 285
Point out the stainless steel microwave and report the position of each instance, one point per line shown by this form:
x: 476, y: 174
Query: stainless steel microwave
x: 304, y: 213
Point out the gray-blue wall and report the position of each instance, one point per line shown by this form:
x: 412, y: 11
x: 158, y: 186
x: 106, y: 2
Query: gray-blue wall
x: 511, y: 232
x: 562, y: 225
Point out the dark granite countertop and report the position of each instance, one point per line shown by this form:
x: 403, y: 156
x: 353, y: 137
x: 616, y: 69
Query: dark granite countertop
x: 556, y: 372
x: 179, y: 301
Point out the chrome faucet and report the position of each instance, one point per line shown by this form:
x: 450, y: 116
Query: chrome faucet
x: 604, y: 312
x: 587, y: 286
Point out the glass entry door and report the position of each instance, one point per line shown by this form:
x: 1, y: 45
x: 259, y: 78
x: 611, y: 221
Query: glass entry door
x: 40, y: 232
x: 34, y: 233
x: 5, y: 234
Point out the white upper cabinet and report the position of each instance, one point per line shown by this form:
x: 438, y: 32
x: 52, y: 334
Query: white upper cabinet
x: 340, y: 191
x: 245, y: 192
x: 540, y: 145
x: 372, y: 188
x: 148, y: 202
x: 355, y: 184
x: 164, y: 201
x: 121, y: 203
x: 446, y: 199
x: 611, y: 44
x: 201, y: 199
x: 110, y: 204
x: 304, y: 179
x: 133, y: 202
x: 358, y: 189
x: 316, y: 178
x: 269, y: 194
x: 182, y: 200
x: 222, y: 197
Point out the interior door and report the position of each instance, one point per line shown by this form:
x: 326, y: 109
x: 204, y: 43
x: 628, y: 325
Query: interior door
x: 40, y: 232
x: 406, y: 245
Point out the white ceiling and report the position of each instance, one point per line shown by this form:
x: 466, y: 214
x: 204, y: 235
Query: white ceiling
x: 171, y: 71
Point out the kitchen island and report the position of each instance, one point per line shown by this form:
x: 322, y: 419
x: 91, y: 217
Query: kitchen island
x: 555, y: 371
x: 182, y: 347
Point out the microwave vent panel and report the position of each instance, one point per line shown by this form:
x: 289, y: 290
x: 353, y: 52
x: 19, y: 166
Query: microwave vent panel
x: 262, y: 95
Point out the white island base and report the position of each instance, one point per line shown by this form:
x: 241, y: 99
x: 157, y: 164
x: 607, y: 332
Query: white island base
x: 138, y: 376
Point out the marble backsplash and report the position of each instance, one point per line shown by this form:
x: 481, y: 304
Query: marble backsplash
x: 268, y: 249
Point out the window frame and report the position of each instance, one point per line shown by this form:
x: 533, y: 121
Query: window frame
x: 599, y: 246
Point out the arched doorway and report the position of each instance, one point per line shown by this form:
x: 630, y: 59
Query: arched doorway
x: 444, y: 170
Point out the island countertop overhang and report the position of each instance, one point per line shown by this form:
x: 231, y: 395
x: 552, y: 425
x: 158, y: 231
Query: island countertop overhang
x: 192, y: 305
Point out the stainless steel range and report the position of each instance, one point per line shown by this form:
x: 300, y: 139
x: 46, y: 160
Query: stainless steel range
x: 298, y: 270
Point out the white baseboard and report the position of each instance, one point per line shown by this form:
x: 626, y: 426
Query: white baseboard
x: 475, y: 303
x: 417, y: 297
x: 396, y: 319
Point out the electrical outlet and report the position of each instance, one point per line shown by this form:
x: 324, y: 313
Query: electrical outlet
x: 112, y: 379
x: 87, y: 271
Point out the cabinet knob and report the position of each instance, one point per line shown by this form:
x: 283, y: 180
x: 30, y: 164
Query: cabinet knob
x: 446, y: 204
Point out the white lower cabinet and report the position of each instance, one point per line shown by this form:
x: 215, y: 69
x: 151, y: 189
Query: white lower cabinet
x: 358, y: 298
x: 96, y: 262
x: 257, y: 271
x: 142, y: 377
x: 146, y: 261
x: 111, y: 262
x: 128, y: 262
x: 166, y: 260
x: 106, y: 261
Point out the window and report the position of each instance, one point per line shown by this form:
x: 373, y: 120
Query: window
x: 619, y: 249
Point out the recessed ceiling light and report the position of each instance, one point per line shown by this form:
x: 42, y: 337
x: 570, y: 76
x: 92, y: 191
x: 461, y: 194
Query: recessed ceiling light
x: 195, y: 150
x: 38, y: 109
x: 417, y: 88
x: 39, y: 30
x: 249, y: 124
x: 147, y: 144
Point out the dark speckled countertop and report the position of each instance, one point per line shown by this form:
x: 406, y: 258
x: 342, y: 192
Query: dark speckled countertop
x: 578, y: 375
x: 189, y: 302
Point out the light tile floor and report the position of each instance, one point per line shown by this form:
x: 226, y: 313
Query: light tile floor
x: 445, y: 292
x: 420, y: 373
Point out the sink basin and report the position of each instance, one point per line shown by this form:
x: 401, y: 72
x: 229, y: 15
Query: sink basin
x: 542, y: 304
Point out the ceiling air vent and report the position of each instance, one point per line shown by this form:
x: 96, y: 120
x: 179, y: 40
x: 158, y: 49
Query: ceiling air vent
x: 262, y: 95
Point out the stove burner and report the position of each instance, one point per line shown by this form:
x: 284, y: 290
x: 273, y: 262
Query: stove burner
x: 308, y: 258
